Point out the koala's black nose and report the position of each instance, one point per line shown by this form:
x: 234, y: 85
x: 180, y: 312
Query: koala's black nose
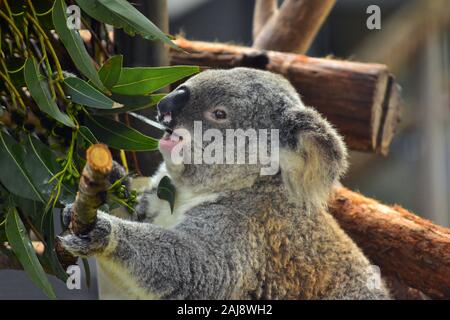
x: 173, y: 102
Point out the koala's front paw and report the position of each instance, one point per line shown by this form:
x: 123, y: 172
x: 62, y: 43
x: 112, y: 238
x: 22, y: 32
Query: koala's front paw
x: 92, y: 243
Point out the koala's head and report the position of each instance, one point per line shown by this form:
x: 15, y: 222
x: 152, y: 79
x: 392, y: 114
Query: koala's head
x: 209, y: 108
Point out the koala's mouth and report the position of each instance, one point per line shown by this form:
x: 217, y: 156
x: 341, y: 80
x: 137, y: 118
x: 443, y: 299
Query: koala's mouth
x: 172, y: 135
x: 170, y: 140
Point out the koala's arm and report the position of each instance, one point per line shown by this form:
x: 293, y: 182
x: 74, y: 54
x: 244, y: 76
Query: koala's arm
x: 153, y: 262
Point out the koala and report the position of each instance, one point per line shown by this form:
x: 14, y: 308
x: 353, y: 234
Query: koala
x: 234, y: 233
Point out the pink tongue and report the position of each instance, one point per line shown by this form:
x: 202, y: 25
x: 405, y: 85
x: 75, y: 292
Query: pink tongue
x: 167, y: 144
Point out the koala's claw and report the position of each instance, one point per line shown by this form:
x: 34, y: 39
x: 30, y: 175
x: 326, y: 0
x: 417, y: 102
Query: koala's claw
x: 94, y: 242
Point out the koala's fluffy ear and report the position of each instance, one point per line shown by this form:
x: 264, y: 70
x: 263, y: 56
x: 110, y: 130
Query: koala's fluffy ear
x: 312, y: 155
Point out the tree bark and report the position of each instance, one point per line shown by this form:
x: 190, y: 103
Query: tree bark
x: 92, y: 188
x: 90, y: 196
x: 403, y: 245
x: 361, y: 100
x: 294, y: 26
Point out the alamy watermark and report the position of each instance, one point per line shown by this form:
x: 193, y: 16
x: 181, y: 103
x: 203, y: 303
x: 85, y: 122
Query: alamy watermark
x: 373, y: 22
x: 74, y: 277
x: 373, y: 281
x: 73, y: 17
x: 236, y: 146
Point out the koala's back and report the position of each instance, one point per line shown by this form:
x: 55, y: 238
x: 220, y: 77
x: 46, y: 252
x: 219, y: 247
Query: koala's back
x: 274, y: 249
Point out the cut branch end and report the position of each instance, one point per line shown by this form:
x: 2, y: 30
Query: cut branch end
x: 99, y: 159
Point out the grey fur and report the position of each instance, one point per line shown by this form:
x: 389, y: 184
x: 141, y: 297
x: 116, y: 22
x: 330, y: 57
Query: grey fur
x: 238, y: 234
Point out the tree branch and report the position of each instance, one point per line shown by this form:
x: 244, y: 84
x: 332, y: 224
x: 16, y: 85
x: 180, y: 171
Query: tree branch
x: 294, y: 26
x: 403, y: 245
x: 91, y: 195
x: 264, y: 10
x: 92, y: 188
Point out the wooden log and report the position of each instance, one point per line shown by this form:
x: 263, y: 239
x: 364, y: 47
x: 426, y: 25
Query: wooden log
x: 355, y: 97
x: 403, y: 245
x: 390, y: 117
x: 294, y: 26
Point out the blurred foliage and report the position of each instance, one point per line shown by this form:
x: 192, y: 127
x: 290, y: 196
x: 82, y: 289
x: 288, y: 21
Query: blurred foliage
x: 58, y: 94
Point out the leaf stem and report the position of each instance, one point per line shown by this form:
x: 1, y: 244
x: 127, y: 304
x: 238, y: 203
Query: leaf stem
x: 41, y: 31
x: 14, y: 29
x: 13, y: 89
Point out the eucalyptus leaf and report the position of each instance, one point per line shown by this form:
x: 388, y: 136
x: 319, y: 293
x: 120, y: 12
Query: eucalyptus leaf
x: 110, y: 71
x: 117, y: 135
x: 13, y: 173
x: 42, y: 165
x: 50, y: 256
x: 83, y: 93
x: 145, y: 80
x: 41, y: 95
x: 121, y: 14
x: 33, y: 210
x: 133, y: 103
x: 24, y: 251
x: 87, y: 135
x: 87, y: 272
x: 166, y: 191
x: 74, y: 44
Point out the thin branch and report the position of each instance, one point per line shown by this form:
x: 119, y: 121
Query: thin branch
x: 264, y: 11
x: 295, y: 25
x: 93, y: 183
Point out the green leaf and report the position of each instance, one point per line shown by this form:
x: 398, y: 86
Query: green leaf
x: 33, y: 210
x: 41, y: 95
x: 50, y: 257
x: 121, y: 14
x: 74, y: 44
x: 87, y: 272
x: 117, y: 135
x: 24, y: 251
x: 87, y: 135
x: 83, y: 93
x: 42, y: 165
x: 166, y: 191
x: 145, y: 80
x: 13, y: 174
x: 110, y: 71
x: 134, y: 103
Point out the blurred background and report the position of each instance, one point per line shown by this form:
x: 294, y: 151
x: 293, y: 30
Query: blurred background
x: 413, y: 42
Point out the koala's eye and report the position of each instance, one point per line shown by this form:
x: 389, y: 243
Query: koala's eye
x: 219, y: 114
